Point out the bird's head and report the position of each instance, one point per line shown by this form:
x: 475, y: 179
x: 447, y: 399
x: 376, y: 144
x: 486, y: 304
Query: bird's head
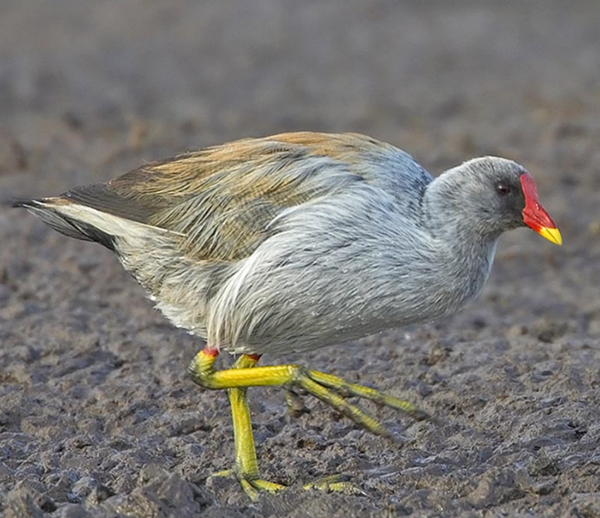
x: 496, y: 195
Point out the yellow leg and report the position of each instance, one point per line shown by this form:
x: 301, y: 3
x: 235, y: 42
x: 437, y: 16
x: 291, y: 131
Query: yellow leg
x: 325, y: 387
x: 245, y: 451
x: 330, y: 389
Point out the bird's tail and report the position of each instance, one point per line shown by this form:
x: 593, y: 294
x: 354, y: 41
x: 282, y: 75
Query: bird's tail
x: 72, y: 219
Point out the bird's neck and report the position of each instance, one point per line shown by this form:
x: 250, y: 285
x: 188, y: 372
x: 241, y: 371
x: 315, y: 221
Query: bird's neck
x: 470, y: 245
x: 449, y: 217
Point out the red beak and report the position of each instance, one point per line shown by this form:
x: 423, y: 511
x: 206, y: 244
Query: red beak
x: 534, y: 214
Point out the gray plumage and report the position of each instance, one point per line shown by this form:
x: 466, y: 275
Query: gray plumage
x: 298, y: 241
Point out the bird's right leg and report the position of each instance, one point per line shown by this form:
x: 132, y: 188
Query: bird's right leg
x: 246, y: 463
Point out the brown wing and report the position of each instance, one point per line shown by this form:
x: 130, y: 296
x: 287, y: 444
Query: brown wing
x: 223, y: 198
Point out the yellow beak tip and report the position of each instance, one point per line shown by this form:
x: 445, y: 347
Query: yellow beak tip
x: 552, y: 235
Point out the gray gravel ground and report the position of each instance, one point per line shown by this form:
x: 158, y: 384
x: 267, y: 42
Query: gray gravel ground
x: 97, y: 418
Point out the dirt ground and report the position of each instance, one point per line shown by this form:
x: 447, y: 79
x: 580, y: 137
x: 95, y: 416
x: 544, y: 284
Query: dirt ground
x: 97, y: 417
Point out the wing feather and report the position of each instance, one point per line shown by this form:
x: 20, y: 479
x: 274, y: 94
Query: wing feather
x: 222, y: 199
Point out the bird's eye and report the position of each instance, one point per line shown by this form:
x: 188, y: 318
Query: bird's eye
x: 502, y: 189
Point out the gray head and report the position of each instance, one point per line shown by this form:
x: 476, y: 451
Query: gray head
x: 491, y: 195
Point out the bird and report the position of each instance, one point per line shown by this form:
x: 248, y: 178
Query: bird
x: 299, y: 241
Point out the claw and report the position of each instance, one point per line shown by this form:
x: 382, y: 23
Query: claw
x: 295, y: 403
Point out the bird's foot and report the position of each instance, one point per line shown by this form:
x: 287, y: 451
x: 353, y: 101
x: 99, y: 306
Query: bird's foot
x: 334, y: 391
x: 253, y: 486
x: 328, y: 388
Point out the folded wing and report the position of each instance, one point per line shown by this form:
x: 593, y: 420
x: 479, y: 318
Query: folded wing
x: 218, y: 203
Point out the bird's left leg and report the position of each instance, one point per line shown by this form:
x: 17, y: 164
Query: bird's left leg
x: 245, y: 451
x: 326, y: 387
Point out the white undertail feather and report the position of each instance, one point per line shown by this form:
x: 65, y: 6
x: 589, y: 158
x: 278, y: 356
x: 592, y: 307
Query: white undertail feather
x: 108, y: 223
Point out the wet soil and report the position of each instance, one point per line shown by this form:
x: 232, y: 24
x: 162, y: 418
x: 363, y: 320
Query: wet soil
x: 97, y: 417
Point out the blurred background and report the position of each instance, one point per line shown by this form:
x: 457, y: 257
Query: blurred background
x: 89, y: 90
x: 444, y: 83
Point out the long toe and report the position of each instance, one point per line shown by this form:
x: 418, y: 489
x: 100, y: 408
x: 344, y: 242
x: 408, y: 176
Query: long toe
x: 334, y: 400
x: 253, y: 487
x: 381, y: 398
x: 334, y: 391
x: 334, y: 483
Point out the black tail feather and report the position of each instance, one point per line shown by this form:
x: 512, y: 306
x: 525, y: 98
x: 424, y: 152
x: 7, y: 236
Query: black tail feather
x: 15, y: 203
x: 64, y: 224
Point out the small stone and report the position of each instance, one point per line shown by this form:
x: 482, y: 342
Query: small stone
x: 83, y: 487
x: 543, y: 488
x: 151, y: 472
x: 99, y: 494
